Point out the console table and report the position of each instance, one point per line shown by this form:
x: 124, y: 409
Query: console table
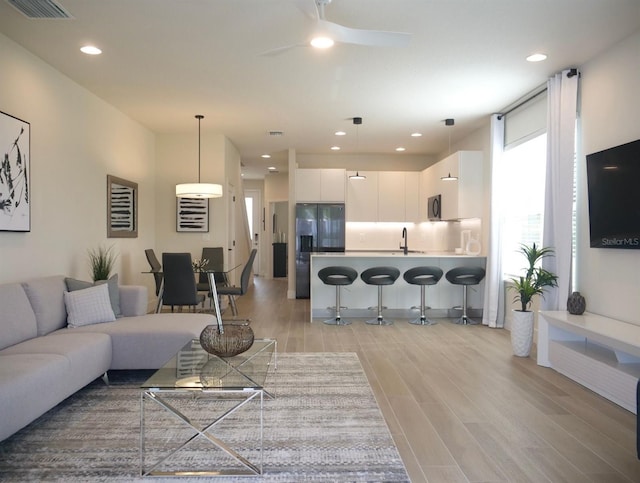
x: 598, y: 352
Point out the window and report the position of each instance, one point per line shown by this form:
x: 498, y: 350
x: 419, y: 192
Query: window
x: 522, y: 181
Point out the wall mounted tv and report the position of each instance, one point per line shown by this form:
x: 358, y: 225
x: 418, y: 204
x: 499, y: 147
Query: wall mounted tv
x: 613, y: 179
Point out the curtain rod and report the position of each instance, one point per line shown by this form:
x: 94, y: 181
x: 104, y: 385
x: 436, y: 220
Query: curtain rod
x: 570, y: 73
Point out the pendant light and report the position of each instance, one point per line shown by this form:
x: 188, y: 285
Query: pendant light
x: 449, y: 122
x: 357, y: 121
x: 198, y: 190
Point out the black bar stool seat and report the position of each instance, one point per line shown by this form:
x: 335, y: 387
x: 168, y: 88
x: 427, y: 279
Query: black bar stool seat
x: 422, y: 276
x: 465, y: 276
x: 338, y: 276
x: 380, y: 276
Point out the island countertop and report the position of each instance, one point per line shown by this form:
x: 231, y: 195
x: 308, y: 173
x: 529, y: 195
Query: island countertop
x: 400, y: 296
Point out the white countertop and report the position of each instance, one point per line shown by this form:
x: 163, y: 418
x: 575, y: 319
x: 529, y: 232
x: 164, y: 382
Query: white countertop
x: 394, y: 253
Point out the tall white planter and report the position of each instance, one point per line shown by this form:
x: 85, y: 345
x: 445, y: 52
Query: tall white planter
x: 522, y: 333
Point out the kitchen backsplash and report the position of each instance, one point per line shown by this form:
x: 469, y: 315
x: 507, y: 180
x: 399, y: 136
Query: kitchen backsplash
x: 441, y: 236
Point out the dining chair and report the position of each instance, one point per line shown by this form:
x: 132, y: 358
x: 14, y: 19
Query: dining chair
x: 179, y: 281
x: 156, y: 268
x: 234, y: 291
x: 215, y: 256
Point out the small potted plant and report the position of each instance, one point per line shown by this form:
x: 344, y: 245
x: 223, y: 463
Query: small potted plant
x: 534, y: 282
x: 101, y: 261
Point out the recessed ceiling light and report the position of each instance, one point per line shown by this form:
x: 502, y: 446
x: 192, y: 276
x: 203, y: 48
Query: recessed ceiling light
x: 90, y: 50
x: 265, y: 156
x: 335, y: 148
x: 340, y: 133
x: 271, y: 168
x: 416, y: 134
x: 400, y: 149
x: 537, y: 57
x: 321, y: 42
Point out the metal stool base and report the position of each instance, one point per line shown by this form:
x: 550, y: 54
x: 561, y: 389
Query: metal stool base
x: 464, y: 320
x: 337, y: 321
x: 422, y: 321
x: 379, y: 321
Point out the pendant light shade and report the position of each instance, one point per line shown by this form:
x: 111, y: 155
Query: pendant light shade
x: 357, y: 176
x: 198, y: 190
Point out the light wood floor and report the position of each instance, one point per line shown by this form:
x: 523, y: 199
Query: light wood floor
x: 460, y: 406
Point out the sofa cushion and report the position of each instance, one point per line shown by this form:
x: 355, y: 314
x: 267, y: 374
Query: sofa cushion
x: 149, y: 341
x: 47, y: 301
x: 17, y: 320
x: 114, y: 292
x: 89, y: 306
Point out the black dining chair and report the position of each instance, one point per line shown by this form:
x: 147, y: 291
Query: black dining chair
x: 215, y: 257
x: 179, y: 281
x: 156, y: 268
x: 233, y: 291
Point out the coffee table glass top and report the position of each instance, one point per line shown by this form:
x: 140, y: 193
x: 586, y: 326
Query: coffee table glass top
x: 194, y: 368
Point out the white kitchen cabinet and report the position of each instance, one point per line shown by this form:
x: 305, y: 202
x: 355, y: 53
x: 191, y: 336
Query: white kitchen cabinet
x: 362, y: 197
x: 462, y: 198
x: 398, y: 196
x: 320, y: 185
x: 391, y: 202
x: 384, y: 196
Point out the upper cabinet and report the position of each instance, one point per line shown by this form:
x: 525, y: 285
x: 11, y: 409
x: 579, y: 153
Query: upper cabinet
x: 398, y: 196
x: 320, y: 185
x: 362, y: 197
x: 388, y: 196
x: 462, y: 198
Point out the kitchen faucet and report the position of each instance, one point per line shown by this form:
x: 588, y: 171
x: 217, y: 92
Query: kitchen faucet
x: 406, y: 241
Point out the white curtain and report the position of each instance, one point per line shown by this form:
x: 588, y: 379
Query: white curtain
x: 493, y: 313
x: 562, y: 99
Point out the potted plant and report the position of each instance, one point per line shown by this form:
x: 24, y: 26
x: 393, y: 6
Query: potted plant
x: 534, y: 282
x: 101, y: 260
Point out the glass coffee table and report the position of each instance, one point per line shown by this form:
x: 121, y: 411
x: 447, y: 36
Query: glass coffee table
x: 195, y: 374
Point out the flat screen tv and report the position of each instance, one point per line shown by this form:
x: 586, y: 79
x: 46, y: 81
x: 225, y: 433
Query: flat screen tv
x: 613, y: 179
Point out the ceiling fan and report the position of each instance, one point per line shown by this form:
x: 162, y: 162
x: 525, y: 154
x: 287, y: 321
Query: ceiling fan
x: 324, y: 33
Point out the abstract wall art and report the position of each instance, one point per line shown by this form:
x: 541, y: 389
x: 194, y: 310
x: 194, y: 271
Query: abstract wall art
x: 15, y: 173
x: 192, y: 214
x: 122, y: 208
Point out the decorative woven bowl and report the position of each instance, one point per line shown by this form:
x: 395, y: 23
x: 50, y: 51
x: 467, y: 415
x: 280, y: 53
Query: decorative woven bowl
x: 227, y: 340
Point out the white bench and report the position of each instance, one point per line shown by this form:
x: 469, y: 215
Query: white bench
x: 600, y: 353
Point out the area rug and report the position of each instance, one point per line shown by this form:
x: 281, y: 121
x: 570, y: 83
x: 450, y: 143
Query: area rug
x: 323, y: 425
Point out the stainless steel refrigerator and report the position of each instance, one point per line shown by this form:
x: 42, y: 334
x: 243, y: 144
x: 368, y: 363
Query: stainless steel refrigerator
x: 319, y: 228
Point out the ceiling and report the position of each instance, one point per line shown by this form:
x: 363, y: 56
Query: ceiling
x: 164, y: 61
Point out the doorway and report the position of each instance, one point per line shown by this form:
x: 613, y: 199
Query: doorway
x: 256, y: 220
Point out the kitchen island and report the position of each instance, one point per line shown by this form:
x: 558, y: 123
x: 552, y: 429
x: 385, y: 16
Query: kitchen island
x: 399, y: 297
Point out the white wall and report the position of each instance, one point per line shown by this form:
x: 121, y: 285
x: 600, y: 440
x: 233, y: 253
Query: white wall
x: 610, y: 90
x: 76, y: 140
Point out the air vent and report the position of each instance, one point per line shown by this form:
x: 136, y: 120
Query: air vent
x: 39, y: 8
x: 276, y: 133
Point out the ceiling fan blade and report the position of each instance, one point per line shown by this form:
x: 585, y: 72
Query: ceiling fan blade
x: 374, y: 38
x: 280, y: 50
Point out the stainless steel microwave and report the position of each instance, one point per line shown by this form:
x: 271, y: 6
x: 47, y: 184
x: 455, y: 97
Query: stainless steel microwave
x: 434, y: 207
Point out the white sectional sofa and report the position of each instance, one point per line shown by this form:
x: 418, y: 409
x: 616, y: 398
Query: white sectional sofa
x: 43, y: 360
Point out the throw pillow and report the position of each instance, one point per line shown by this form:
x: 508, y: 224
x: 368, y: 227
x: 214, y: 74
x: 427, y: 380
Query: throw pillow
x: 88, y: 306
x: 112, y: 283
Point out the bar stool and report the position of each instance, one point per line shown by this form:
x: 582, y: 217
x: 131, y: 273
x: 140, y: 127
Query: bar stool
x: 337, y: 276
x: 465, y: 276
x: 422, y: 276
x: 380, y: 276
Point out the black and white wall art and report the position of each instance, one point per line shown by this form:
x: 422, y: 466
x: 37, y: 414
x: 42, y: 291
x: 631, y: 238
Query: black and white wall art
x: 122, y: 208
x: 15, y: 173
x: 192, y: 214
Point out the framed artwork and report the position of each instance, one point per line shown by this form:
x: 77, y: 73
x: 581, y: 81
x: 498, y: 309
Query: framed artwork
x: 192, y: 214
x: 122, y: 208
x: 15, y: 173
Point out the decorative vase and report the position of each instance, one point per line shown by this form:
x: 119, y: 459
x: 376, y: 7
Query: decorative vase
x: 576, y: 304
x: 522, y: 333
x: 227, y: 340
